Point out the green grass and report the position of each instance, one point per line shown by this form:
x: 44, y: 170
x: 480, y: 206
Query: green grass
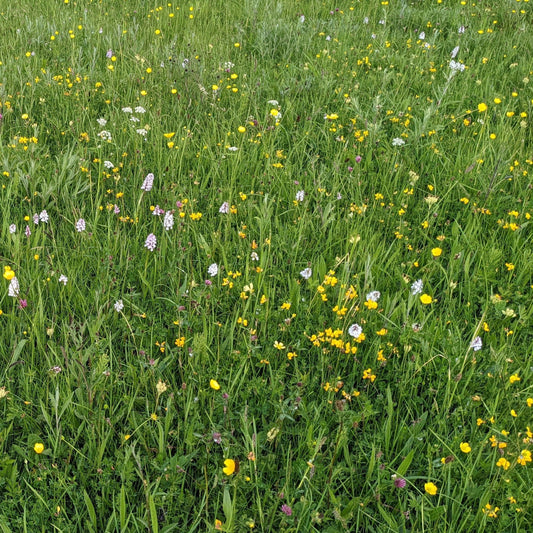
x: 338, y: 139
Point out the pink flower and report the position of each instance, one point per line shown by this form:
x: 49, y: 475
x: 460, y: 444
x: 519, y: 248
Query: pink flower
x: 286, y: 509
x: 399, y: 482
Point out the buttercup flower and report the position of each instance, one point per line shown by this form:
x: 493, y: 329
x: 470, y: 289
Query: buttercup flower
x: 426, y: 299
x: 430, y: 488
x: 229, y: 467
x: 465, y: 447
x: 214, y: 384
x: 38, y: 448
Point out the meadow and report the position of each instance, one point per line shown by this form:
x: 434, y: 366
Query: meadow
x: 267, y: 266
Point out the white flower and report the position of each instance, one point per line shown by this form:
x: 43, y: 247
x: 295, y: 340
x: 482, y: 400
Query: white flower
x: 13, y: 289
x: 63, y: 279
x: 306, y: 273
x: 254, y: 256
x: 185, y: 63
x: 80, y: 225
x: 302, y: 19
x: 104, y: 135
x: 461, y: 30
x: 476, y: 344
x: 157, y: 211
x: 108, y: 164
x: 228, y: 65
x: 455, y: 51
x: 273, y: 102
x: 422, y: 35
x: 119, y: 305
x: 140, y: 109
x: 213, y: 270
x: 417, y: 287
x: 373, y: 296
x: 127, y: 110
x: 142, y: 131
x: 36, y: 218
x: 365, y: 20
x: 101, y: 121
x: 168, y: 221
x: 134, y: 119
x: 456, y: 66
x: 224, y: 208
x: 300, y: 196
x: 151, y: 242
x: 232, y: 148
x: 148, y: 183
x: 398, y: 141
x: 12, y: 228
x: 328, y: 37
x: 355, y: 331
x: 43, y: 216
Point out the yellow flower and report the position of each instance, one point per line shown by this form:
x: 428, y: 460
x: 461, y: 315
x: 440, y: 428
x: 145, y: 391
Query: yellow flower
x: 229, y: 467
x: 435, y: 252
x: 430, y: 488
x: 241, y: 129
x: 504, y: 463
x: 514, y: 378
x: 465, y: 447
x: 426, y: 299
x: 38, y: 448
x: 482, y: 107
x: 214, y: 384
x: 279, y: 345
x: 8, y: 273
x: 524, y: 457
